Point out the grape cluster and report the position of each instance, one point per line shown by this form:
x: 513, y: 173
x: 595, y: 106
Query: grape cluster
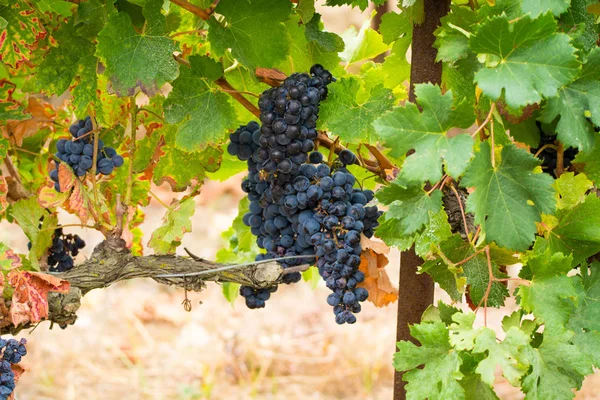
x: 548, y: 155
x: 12, y: 352
x: 63, y: 249
x: 79, y: 151
x: 299, y: 205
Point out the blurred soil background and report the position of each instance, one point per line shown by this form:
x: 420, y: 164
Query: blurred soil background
x: 134, y: 341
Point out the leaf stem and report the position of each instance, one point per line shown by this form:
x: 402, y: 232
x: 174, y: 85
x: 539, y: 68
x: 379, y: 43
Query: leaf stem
x: 159, y: 200
x: 53, y: 228
x: 485, y: 121
x: 203, y: 14
x: 544, y: 147
x: 462, y: 210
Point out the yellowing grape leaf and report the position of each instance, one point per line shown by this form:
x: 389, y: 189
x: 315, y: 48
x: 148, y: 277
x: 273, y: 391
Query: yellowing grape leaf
x: 373, y: 260
x: 30, y: 296
x: 22, y: 33
x: 3, y: 194
x: 176, y: 223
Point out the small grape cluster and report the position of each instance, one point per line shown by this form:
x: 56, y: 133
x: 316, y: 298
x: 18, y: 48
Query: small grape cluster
x: 12, y: 352
x: 79, y: 151
x: 299, y: 205
x: 63, y: 249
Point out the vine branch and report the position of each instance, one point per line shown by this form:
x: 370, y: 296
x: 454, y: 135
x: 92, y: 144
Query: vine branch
x: 201, y: 13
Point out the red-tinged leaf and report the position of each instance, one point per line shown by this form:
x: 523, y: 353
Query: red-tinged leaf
x: 48, y: 197
x: 8, y: 260
x: 22, y: 33
x: 66, y: 177
x: 373, y: 260
x: 79, y: 203
x: 30, y: 296
x: 3, y: 194
x: 10, y: 108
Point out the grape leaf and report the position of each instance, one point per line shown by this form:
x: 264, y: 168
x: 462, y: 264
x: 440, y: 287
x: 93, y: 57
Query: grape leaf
x: 351, y: 117
x: 393, y: 25
x: 63, y: 64
x: 9, y: 107
x: 576, y: 231
x: 581, y: 24
x: 585, y: 319
x: 8, y: 260
x: 328, y: 41
x: 557, y: 367
x: 439, y: 377
x: 244, y: 22
x: 407, y: 128
x: 30, y: 297
x: 452, y: 37
x: 91, y: 17
x: 363, y: 45
x: 551, y: 292
x: 60, y: 7
x: 571, y: 190
x: 3, y: 196
x: 22, y: 33
x: 508, y: 197
x: 135, y: 59
x: 572, y: 104
x: 362, y: 4
x: 240, y: 243
x: 306, y: 10
x: 203, y: 113
x: 176, y: 223
x: 537, y: 7
x: 34, y: 221
x: 179, y: 175
x: 409, y: 207
x: 527, y: 59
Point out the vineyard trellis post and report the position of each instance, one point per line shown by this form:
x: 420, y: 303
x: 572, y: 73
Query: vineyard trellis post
x: 416, y: 291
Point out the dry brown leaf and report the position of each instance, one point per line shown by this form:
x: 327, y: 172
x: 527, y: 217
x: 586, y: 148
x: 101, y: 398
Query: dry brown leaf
x: 373, y: 260
x: 42, y: 116
x: 270, y: 76
x: 30, y: 296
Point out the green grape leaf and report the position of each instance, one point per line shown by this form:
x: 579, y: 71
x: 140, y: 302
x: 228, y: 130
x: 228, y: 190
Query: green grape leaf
x: 203, y: 113
x: 439, y: 377
x: 589, y: 162
x: 85, y: 92
x: 476, y: 389
x: 351, y: 117
x: 557, y: 367
x: 580, y: 24
x: 179, y: 175
x: 436, y: 231
x: 329, y: 42
x: 527, y: 59
x: 240, y: 242
x: 396, y: 67
x: 244, y: 22
x: 509, y: 197
x: 176, y: 223
x: 407, y: 128
x: 393, y: 25
x: 585, y: 320
x: 571, y: 190
x: 309, y: 45
x: 22, y: 33
x: 62, y: 64
x: 60, y: 7
x: 551, y: 293
x: 362, y: 45
x: 537, y: 7
x: 452, y: 37
x: 91, y: 17
x: 9, y: 107
x: 462, y: 334
x: 231, y: 291
x: 133, y: 59
x: 409, y: 207
x: 508, y: 354
x: 362, y: 4
x: 306, y: 10
x: 572, y: 104
x: 34, y: 221
x: 577, y: 230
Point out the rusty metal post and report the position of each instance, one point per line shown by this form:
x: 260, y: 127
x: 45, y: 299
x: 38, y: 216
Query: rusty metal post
x: 416, y: 291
